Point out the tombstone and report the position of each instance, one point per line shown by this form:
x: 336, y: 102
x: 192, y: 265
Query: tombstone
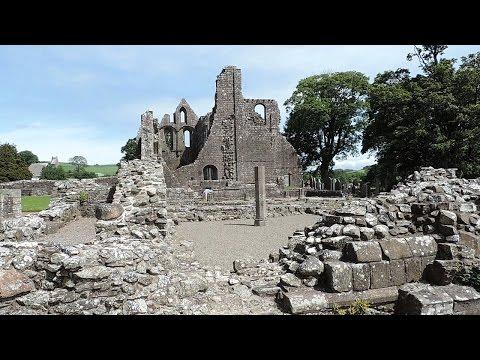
x: 260, y: 199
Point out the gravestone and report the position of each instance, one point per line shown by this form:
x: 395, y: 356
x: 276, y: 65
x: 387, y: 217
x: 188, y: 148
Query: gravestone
x: 10, y: 202
x: 260, y: 200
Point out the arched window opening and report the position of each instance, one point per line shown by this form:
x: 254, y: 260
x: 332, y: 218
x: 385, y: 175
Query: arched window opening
x: 260, y: 110
x: 210, y: 173
x: 169, y: 138
x: 186, y: 138
x: 155, y: 147
x: 172, y: 118
x: 183, y: 116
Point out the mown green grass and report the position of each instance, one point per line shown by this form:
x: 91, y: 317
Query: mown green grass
x: 100, y: 170
x: 35, y: 203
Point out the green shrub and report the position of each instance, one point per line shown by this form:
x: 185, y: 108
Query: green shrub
x: 83, y: 197
x: 52, y: 172
x: 358, y: 307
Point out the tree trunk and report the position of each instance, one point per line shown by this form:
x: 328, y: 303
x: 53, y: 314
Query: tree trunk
x: 324, y: 167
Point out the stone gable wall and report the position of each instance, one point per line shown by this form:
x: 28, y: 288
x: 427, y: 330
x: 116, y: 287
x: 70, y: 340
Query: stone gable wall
x: 233, y: 138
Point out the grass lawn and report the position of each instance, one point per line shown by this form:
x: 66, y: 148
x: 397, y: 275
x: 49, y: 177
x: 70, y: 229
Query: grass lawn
x: 35, y: 203
x: 100, y: 170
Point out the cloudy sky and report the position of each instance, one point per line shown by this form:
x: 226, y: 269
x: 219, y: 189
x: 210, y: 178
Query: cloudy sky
x: 87, y: 100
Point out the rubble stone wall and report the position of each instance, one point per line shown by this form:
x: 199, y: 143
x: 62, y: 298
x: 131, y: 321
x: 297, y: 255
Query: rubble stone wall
x: 140, y: 197
x: 425, y: 229
x: 228, y: 210
x: 32, y: 226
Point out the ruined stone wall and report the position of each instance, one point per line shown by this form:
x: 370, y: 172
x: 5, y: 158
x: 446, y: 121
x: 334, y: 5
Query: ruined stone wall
x: 236, y: 209
x: 233, y: 139
x: 140, y: 199
x: 65, y: 206
x: 427, y: 228
x: 10, y: 203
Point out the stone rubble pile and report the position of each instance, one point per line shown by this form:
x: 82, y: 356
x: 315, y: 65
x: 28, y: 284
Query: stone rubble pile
x: 424, y: 229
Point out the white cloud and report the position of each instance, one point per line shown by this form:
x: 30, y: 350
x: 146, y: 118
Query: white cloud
x: 65, y: 142
x: 355, y: 162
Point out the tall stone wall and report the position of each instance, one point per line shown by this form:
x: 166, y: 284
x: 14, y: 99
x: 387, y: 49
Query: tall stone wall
x: 233, y: 138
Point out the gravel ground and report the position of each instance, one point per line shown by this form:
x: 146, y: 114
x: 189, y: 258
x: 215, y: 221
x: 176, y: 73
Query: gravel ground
x: 221, y: 242
x: 76, y: 232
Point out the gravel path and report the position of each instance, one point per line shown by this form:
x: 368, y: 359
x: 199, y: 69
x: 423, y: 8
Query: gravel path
x: 76, y: 232
x: 221, y: 242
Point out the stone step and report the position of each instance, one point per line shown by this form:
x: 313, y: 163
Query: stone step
x: 304, y: 301
x: 425, y: 299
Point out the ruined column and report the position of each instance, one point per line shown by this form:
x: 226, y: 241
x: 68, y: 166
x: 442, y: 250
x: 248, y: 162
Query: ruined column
x: 260, y: 199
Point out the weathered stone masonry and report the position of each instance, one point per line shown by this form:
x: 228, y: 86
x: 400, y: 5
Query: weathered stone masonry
x: 224, y: 145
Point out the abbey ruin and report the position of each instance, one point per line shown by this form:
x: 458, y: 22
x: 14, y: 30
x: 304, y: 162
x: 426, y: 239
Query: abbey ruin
x: 221, y: 148
x: 412, y: 250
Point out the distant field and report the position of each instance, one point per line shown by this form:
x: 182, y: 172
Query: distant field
x: 35, y: 203
x: 100, y: 170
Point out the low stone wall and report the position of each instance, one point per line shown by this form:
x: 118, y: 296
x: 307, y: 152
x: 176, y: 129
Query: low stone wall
x: 99, y: 189
x: 32, y: 187
x: 125, y: 276
x: 33, y: 226
x: 229, y: 210
x: 10, y: 203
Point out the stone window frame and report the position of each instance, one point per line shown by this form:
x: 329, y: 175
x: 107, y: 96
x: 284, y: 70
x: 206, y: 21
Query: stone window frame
x: 213, y: 176
x: 183, y: 119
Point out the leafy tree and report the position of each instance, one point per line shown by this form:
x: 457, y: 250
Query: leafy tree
x: 28, y: 157
x: 52, y: 172
x: 131, y: 150
x: 79, y: 162
x: 325, y: 115
x: 432, y: 119
x: 427, y: 55
x: 12, y: 166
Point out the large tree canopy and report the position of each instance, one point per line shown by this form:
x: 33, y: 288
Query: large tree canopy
x: 28, y: 157
x: 431, y: 119
x: 325, y: 115
x: 12, y: 166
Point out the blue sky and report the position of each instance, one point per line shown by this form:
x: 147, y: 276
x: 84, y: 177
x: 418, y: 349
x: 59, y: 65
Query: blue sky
x: 87, y: 100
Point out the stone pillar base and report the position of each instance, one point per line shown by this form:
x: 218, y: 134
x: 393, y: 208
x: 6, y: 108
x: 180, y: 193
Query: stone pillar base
x: 259, y: 222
